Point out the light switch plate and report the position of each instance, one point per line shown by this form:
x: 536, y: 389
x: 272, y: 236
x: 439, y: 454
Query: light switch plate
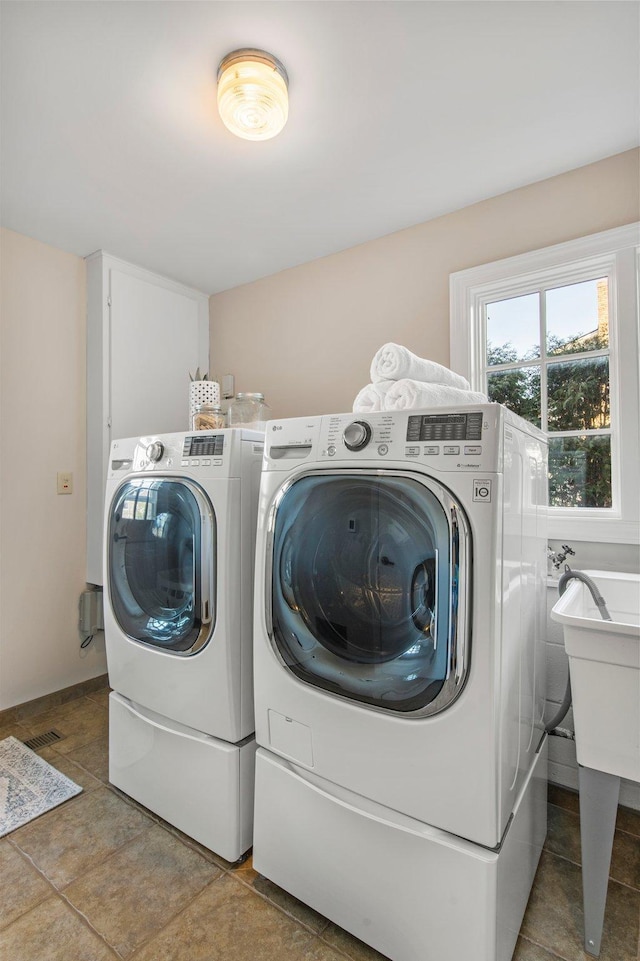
x: 228, y: 387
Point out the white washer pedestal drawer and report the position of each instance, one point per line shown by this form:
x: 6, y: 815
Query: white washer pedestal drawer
x: 411, y: 891
x: 200, y: 784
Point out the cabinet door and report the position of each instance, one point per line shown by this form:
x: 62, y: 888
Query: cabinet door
x: 145, y: 333
x: 154, y: 345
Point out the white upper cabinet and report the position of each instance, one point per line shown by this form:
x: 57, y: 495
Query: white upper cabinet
x: 145, y: 334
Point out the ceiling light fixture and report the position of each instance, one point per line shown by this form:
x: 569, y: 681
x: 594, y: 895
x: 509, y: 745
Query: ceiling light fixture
x: 252, y: 94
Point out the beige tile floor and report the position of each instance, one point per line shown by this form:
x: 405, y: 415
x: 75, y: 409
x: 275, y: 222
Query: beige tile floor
x: 100, y: 878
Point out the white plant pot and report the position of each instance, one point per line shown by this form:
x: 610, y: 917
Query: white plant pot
x: 202, y: 392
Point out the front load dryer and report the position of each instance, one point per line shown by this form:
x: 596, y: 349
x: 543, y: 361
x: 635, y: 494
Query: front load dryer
x: 399, y: 674
x: 180, y: 521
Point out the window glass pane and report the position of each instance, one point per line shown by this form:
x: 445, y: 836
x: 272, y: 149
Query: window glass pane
x: 580, y: 472
x: 519, y: 390
x: 578, y: 395
x: 513, y: 329
x: 578, y: 317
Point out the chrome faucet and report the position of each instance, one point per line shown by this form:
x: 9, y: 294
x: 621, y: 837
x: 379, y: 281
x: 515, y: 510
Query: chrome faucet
x: 558, y: 558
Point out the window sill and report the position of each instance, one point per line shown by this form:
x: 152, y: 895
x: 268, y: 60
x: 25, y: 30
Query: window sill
x: 567, y: 527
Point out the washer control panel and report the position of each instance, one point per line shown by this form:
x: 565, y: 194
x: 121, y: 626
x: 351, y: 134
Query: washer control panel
x: 468, y: 439
x: 465, y: 440
x: 447, y: 428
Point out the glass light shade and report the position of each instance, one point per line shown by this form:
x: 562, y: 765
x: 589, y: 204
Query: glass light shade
x: 252, y: 94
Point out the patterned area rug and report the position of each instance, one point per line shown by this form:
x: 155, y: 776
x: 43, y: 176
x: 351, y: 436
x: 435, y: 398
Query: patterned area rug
x: 28, y: 785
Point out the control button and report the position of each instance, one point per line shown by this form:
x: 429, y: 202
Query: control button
x: 217, y: 462
x: 473, y: 449
x: 434, y: 449
x: 451, y: 450
x: 383, y: 449
x: 356, y: 435
x: 331, y: 451
x: 155, y: 451
x: 206, y: 463
x: 184, y: 463
x: 412, y: 451
x: 195, y: 463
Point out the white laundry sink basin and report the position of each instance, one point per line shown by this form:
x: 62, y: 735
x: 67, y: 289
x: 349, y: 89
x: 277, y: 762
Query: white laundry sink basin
x: 604, y: 663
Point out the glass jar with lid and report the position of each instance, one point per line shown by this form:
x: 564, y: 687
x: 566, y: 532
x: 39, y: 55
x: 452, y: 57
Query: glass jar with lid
x: 208, y: 417
x: 248, y: 410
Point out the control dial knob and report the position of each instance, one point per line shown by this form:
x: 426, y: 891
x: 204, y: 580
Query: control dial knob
x: 155, y: 451
x: 357, y: 435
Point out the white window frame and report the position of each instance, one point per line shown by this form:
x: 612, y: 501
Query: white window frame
x: 614, y: 254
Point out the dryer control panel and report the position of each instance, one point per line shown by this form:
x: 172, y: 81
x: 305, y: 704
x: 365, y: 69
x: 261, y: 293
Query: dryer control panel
x: 203, y: 445
x: 199, y: 454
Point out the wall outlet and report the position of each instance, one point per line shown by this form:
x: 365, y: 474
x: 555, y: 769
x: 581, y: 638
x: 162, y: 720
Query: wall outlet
x: 65, y: 482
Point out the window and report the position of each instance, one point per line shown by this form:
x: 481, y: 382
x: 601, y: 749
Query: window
x: 553, y: 336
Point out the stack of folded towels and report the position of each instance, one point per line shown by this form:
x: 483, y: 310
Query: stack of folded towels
x: 401, y: 381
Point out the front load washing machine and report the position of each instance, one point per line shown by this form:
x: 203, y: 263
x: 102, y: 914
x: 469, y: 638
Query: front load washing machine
x: 399, y: 674
x: 180, y: 521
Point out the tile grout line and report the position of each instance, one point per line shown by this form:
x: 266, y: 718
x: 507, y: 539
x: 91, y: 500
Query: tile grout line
x: 87, y: 923
x: 576, y: 864
x: 26, y: 857
x: 618, y: 830
x: 53, y: 892
x: 550, y: 951
x: 174, y: 917
x: 60, y: 892
x: 278, y: 907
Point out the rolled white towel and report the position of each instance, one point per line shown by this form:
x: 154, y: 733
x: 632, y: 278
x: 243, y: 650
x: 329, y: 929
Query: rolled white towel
x: 410, y: 394
x: 394, y: 362
x: 371, y: 397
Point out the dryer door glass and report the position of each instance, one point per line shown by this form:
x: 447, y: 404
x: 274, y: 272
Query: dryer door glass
x: 365, y: 589
x: 160, y: 574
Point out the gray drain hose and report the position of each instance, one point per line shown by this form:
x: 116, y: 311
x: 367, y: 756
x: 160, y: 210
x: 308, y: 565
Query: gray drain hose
x: 595, y: 593
x: 604, y: 613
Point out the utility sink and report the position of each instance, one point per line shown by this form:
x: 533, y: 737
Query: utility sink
x: 604, y: 663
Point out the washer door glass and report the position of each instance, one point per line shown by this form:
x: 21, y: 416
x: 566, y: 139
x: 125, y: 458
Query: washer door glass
x: 161, y: 555
x: 365, y: 573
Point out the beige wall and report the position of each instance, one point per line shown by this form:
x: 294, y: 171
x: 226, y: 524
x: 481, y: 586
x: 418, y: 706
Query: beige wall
x: 306, y: 336
x: 42, y: 424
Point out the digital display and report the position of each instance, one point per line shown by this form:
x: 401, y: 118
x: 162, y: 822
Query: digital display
x: 445, y: 427
x: 203, y: 445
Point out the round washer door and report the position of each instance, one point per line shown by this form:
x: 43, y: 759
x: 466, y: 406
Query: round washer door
x: 368, y: 588
x: 161, y: 552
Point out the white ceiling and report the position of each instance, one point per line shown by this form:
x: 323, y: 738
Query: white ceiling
x: 399, y: 112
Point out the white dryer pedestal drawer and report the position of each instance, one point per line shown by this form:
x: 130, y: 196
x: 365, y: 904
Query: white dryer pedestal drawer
x: 411, y: 891
x: 200, y: 784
